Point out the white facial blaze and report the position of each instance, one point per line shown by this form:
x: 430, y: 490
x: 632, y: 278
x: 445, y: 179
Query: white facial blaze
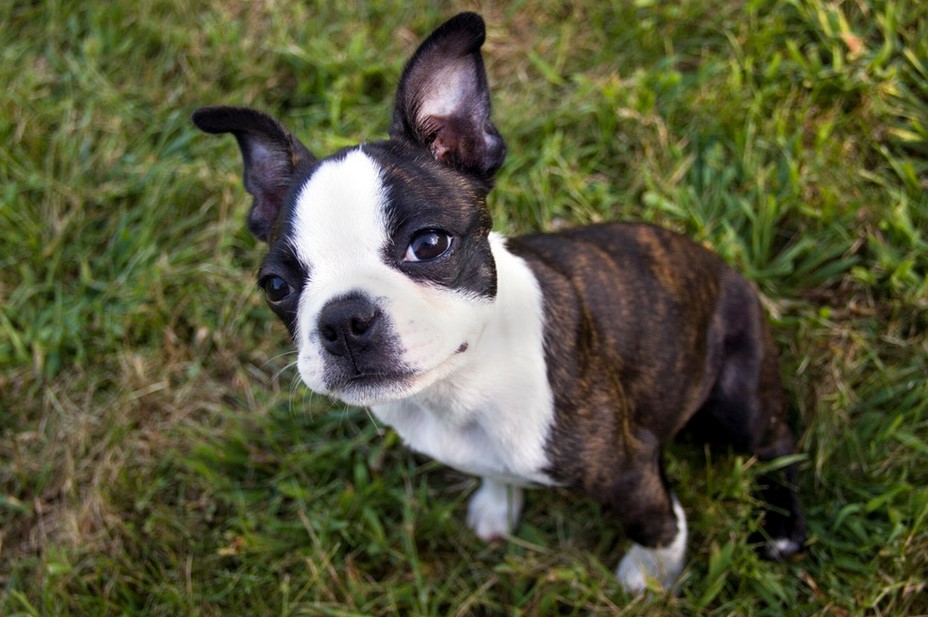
x: 340, y: 233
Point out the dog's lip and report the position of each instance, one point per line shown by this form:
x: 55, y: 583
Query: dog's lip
x: 367, y: 386
x: 373, y: 388
x: 375, y: 379
x: 379, y: 376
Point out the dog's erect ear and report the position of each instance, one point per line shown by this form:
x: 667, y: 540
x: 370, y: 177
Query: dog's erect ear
x: 443, y: 101
x: 272, y: 158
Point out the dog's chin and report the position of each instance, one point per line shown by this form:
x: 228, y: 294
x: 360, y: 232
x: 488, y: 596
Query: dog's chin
x: 372, y: 389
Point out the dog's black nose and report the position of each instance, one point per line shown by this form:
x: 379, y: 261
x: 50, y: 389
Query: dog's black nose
x: 349, y: 325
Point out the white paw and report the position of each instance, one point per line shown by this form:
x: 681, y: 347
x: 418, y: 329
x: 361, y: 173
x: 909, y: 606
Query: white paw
x: 781, y: 548
x: 642, y: 567
x: 494, y: 510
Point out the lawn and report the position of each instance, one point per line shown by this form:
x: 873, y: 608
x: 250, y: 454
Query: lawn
x: 158, y: 455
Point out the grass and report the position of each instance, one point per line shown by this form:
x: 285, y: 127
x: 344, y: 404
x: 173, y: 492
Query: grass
x: 157, y: 455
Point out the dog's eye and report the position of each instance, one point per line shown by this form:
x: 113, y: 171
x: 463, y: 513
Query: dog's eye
x: 276, y: 288
x: 427, y: 245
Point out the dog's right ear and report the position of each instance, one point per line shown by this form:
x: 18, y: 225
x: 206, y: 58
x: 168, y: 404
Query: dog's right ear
x: 443, y: 100
x: 272, y: 156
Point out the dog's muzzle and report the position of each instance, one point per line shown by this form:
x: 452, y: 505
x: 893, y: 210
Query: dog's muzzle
x: 350, y: 327
x: 361, y: 350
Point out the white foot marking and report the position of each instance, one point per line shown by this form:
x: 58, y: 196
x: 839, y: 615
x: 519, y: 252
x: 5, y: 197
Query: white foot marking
x: 781, y: 548
x: 662, y: 565
x: 494, y: 509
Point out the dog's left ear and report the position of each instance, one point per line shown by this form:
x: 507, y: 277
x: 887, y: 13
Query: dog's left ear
x: 273, y: 158
x: 443, y: 101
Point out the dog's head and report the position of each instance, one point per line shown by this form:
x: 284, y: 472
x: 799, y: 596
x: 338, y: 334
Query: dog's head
x: 379, y: 257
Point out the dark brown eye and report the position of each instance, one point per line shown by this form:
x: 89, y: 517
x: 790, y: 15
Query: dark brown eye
x: 276, y: 288
x: 428, y: 245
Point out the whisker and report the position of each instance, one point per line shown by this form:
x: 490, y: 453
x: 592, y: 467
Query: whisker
x: 280, y: 372
x: 294, y: 384
x: 277, y: 357
x: 373, y: 419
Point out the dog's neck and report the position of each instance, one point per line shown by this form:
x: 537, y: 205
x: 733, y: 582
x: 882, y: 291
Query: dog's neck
x: 498, y: 391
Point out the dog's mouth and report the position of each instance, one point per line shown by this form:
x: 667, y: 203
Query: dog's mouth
x: 372, y: 387
x: 367, y: 388
x: 376, y: 379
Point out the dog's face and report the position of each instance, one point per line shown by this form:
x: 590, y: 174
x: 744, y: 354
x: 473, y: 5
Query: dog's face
x: 382, y: 271
x: 379, y: 259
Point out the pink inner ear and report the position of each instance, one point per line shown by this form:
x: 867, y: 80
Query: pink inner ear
x: 448, y: 90
x: 441, y: 149
x: 443, y: 102
x: 455, y: 141
x: 449, y: 115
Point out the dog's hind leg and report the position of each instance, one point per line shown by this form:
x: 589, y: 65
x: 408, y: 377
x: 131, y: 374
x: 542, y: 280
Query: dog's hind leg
x: 784, y: 526
x: 748, y: 403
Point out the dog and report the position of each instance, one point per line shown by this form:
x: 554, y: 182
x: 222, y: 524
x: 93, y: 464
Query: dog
x: 561, y: 359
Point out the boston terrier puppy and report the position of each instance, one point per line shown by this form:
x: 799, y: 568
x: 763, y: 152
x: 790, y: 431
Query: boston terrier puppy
x: 563, y: 359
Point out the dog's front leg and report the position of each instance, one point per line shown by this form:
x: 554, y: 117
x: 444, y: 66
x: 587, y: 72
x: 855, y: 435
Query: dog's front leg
x: 494, y: 509
x: 662, y: 564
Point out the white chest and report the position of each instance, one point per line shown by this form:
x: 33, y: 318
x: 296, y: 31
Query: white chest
x: 502, y: 451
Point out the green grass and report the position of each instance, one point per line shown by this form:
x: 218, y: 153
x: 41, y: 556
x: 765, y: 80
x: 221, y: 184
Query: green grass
x: 157, y: 454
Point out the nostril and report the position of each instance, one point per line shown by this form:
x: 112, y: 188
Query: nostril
x: 329, y: 333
